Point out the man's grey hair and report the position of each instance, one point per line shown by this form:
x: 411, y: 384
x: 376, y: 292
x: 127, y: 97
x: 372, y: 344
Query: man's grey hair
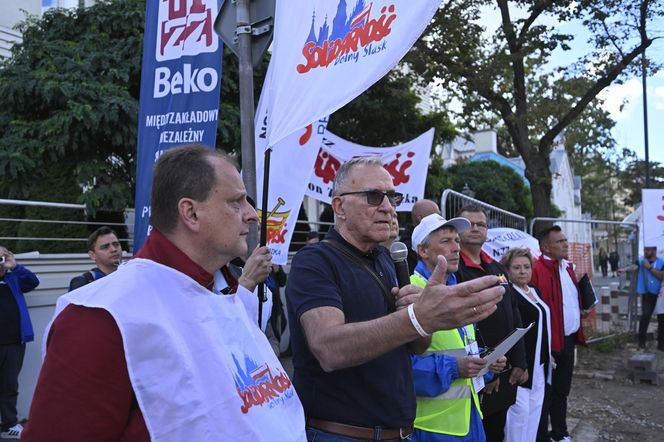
x: 343, y: 172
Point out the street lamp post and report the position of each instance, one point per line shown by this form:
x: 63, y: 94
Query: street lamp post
x: 645, y: 117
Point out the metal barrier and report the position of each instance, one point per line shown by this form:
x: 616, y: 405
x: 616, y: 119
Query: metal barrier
x: 585, y: 237
x: 451, y: 202
x: 72, y: 232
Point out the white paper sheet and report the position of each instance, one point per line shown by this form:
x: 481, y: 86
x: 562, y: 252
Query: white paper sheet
x: 504, y: 347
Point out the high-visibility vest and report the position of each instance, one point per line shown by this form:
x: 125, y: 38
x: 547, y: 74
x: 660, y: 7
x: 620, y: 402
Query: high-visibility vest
x: 449, y: 412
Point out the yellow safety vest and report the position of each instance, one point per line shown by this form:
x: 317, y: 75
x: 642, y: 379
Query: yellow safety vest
x: 449, y: 412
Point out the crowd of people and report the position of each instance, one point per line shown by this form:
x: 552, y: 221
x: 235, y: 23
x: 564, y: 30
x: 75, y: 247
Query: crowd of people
x: 166, y: 347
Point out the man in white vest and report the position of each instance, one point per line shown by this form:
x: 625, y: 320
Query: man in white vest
x: 167, y: 347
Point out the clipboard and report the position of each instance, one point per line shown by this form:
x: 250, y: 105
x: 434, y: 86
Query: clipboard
x: 504, y: 346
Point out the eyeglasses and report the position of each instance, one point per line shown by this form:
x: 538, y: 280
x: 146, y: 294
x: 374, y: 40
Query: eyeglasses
x: 478, y: 225
x: 375, y: 197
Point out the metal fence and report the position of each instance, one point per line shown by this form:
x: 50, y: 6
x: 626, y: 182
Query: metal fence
x: 50, y: 227
x: 451, y: 202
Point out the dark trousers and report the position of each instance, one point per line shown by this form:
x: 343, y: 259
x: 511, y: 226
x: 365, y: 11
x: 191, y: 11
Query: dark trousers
x: 11, y: 361
x: 555, y: 395
x: 660, y: 332
x: 494, y: 425
x: 648, y: 303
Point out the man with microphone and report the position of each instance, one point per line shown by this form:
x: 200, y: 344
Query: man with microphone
x: 352, y: 329
x: 105, y: 250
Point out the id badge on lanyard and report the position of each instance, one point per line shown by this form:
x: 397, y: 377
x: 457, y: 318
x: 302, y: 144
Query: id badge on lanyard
x: 473, y: 350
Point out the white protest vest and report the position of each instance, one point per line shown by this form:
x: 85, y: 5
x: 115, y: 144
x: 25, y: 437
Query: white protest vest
x: 200, y: 369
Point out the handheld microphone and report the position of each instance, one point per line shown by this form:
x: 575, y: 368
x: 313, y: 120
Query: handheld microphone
x: 399, y: 254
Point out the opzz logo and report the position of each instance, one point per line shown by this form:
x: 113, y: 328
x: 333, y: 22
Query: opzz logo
x: 185, y: 28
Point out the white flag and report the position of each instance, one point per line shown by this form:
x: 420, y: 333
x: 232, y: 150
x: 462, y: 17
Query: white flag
x: 653, y: 218
x: 291, y: 162
x: 501, y: 239
x: 325, y: 53
x: 407, y: 164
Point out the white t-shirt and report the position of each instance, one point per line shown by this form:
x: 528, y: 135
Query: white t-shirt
x: 571, y: 309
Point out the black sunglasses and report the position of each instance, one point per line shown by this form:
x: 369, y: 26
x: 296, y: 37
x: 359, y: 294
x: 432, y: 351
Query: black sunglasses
x: 375, y: 197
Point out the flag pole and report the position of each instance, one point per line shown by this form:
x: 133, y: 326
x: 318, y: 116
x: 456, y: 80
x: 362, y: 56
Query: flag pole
x: 263, y: 232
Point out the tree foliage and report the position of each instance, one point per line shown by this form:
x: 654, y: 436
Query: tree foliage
x: 633, y: 178
x: 70, y: 95
x: 387, y: 114
x: 492, y: 183
x: 508, y: 75
x: 68, y: 126
x: 71, y: 92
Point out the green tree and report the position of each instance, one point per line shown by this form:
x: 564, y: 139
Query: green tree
x: 594, y: 156
x: 387, y: 114
x: 492, y: 183
x: 508, y: 76
x: 70, y: 95
x: 633, y: 178
x: 56, y: 186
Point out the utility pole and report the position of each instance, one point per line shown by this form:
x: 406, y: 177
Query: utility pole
x: 248, y: 32
x: 243, y: 33
x: 645, y: 117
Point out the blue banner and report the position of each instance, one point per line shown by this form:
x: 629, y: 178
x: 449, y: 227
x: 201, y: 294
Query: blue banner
x: 180, y: 83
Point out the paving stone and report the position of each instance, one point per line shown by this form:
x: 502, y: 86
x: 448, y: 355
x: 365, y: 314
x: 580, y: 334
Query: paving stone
x: 647, y: 376
x: 643, y: 362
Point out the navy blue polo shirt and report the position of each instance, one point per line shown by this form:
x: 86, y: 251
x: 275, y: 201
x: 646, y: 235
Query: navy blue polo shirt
x: 377, y: 393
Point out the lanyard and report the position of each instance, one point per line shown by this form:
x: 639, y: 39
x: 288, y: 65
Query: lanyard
x: 465, y: 335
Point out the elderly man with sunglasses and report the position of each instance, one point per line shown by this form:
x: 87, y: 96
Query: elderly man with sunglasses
x: 353, y: 330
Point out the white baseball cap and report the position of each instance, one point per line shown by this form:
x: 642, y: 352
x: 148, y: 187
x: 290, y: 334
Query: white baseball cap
x: 434, y: 222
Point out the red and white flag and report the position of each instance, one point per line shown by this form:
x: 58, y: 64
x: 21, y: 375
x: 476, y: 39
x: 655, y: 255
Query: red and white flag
x: 291, y: 163
x: 407, y: 164
x: 325, y: 53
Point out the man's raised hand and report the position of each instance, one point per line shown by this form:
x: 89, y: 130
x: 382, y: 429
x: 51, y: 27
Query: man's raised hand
x: 442, y: 307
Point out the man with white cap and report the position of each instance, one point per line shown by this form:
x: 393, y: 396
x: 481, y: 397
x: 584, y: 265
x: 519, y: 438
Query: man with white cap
x: 448, y: 407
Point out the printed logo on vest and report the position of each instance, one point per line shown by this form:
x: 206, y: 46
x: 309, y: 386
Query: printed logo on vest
x: 261, y: 385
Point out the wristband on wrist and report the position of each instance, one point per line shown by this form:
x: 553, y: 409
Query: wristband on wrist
x: 415, y: 322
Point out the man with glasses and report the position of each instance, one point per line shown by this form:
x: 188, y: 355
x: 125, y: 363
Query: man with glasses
x: 554, y: 278
x: 352, y: 329
x: 105, y: 250
x: 499, y: 394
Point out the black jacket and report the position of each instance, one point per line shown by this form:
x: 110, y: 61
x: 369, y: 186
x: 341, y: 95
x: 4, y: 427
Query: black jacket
x: 530, y: 313
x: 492, y: 330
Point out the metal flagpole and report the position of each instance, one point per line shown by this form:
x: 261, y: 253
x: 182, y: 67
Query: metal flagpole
x: 263, y: 231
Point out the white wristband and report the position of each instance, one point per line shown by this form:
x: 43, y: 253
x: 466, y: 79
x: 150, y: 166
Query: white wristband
x: 414, y: 321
